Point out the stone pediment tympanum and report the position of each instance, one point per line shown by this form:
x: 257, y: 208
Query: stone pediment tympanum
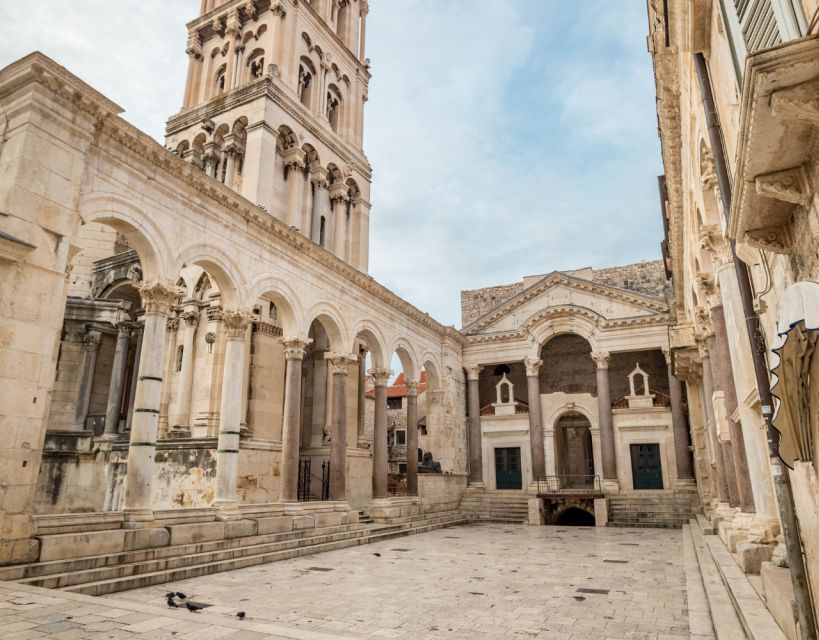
x: 598, y: 303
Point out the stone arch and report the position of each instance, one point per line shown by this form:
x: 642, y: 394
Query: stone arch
x: 290, y: 314
x: 376, y: 344
x: 221, y: 269
x: 142, y: 232
x: 409, y: 360
x: 432, y: 371
x: 566, y: 509
x: 547, y: 324
x: 331, y: 319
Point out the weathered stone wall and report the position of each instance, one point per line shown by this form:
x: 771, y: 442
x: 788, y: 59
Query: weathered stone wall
x: 646, y: 277
x: 476, y: 302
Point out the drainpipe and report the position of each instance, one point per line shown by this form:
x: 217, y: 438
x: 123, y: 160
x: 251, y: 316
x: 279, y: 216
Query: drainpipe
x: 782, y: 485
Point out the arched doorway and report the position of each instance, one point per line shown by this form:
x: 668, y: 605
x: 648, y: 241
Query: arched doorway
x: 575, y: 517
x: 574, y: 457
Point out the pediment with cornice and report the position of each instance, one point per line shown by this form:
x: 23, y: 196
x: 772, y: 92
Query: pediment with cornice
x: 561, y: 295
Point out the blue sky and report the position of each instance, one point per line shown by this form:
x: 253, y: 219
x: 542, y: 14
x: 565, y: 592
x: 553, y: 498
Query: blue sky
x: 507, y: 137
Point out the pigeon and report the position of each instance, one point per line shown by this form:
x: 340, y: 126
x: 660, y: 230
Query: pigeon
x: 172, y: 604
x: 377, y: 555
x: 193, y: 608
x: 241, y: 615
x: 181, y: 595
x: 170, y: 594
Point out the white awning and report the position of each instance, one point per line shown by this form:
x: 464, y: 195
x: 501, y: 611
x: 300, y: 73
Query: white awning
x: 797, y: 328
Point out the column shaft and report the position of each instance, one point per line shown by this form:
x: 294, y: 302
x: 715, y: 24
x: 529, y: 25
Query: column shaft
x: 291, y: 424
x: 191, y: 320
x: 338, y: 446
x: 340, y: 232
x: 380, y: 464
x: 535, y: 423
x: 319, y: 195
x: 607, y: 446
x: 679, y: 426
x: 91, y: 344
x: 114, y: 406
x: 294, y: 178
x: 139, y: 329
x: 412, y: 438
x: 716, y: 446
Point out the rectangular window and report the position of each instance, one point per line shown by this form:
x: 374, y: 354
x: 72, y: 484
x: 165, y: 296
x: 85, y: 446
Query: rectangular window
x: 401, y: 437
x: 402, y: 467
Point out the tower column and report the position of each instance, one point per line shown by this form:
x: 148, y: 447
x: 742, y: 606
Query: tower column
x: 473, y: 373
x: 535, y: 424
x: 294, y: 161
x: 339, y: 366
x: 339, y: 199
x: 114, y: 406
x: 318, y: 176
x: 235, y: 323
x: 291, y: 425
x: 380, y: 464
x: 194, y: 51
x: 157, y: 299
x: 362, y: 41
x: 607, y: 446
x: 412, y: 437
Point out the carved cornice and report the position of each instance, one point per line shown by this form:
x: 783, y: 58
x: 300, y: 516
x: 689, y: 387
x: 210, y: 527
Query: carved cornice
x: 800, y: 102
x: 267, y: 329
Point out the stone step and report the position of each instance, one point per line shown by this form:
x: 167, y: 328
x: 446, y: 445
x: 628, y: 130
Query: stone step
x: 103, y: 587
x: 18, y: 572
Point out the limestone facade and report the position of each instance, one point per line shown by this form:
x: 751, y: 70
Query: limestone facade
x: 742, y: 224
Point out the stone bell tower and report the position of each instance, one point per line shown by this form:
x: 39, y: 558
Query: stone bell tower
x: 274, y: 109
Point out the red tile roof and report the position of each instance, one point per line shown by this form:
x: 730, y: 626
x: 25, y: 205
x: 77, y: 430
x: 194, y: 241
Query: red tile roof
x: 398, y: 389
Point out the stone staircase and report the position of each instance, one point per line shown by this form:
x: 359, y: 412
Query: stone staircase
x: 495, y: 506
x: 112, y: 572
x: 722, y: 602
x: 649, y: 509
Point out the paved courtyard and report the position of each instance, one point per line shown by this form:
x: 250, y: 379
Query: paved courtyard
x: 477, y: 582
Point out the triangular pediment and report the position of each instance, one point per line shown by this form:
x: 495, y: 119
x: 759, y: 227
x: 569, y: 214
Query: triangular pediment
x: 570, y: 295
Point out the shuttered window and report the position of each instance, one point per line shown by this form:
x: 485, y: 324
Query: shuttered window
x: 758, y: 22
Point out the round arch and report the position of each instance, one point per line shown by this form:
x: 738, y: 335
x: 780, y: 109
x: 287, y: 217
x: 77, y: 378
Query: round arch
x: 406, y: 354
x: 375, y: 342
x: 546, y: 324
x: 283, y: 296
x: 220, y: 267
x: 432, y: 373
x: 329, y: 318
x: 141, y: 231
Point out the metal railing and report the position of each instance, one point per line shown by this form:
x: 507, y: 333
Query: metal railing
x: 569, y: 485
x: 305, y: 476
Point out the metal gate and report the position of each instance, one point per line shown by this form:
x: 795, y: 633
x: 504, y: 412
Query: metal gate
x: 646, y: 468
x: 304, y: 480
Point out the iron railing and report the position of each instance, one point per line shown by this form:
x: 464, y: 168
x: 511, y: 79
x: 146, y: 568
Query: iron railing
x: 305, y: 477
x: 569, y: 485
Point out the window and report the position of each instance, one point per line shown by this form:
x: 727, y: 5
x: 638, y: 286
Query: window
x: 393, y: 403
x: 402, y: 467
x: 333, y: 108
x: 179, y: 353
x: 257, y: 68
x: 219, y: 80
x: 305, y: 80
x: 322, y: 231
x: 401, y: 437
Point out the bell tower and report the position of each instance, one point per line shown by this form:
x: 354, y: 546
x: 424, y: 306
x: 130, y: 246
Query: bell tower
x: 274, y: 108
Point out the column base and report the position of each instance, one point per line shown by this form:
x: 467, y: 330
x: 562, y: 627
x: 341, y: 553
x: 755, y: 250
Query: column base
x: 686, y: 484
x: 227, y: 510
x: 178, y: 432
x: 478, y: 485
x: 138, y: 519
x: 611, y: 485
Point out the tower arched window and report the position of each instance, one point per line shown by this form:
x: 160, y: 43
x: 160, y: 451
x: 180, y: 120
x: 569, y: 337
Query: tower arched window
x: 180, y: 352
x: 333, y: 109
x: 305, y: 81
x: 219, y: 80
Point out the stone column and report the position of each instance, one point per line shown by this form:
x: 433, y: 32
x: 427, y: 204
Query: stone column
x: 114, y: 406
x: 291, y: 420
x: 364, y: 10
x: 338, y: 197
x: 139, y: 331
x: 535, y: 424
x: 294, y: 161
x: 230, y: 167
x: 724, y: 381
x: 339, y: 364
x: 230, y: 414
x: 473, y: 373
x: 194, y: 51
x: 185, y: 389
x: 165, y: 400
x: 157, y: 299
x: 362, y: 401
x: 680, y: 428
x: 723, y: 444
x: 380, y: 465
x: 319, y: 179
x: 412, y: 437
x: 90, y: 344
x: 716, y: 447
x: 607, y: 446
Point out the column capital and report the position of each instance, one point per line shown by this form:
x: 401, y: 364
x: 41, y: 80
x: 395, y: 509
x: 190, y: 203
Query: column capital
x: 340, y: 362
x: 125, y: 329
x: 601, y: 359
x: 172, y: 324
x: 191, y: 318
x: 158, y: 297
x: 91, y: 340
x: 532, y: 366
x: 666, y: 354
x: 435, y: 397
x: 294, y: 159
x: 235, y: 322
x: 318, y: 176
x: 412, y: 387
x: 294, y: 346
x: 380, y: 376
x: 473, y: 371
x: 338, y: 192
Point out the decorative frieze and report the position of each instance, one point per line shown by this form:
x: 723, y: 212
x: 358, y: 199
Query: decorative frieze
x: 267, y: 329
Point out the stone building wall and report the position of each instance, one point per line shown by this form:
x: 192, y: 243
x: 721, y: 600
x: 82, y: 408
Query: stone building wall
x: 476, y: 302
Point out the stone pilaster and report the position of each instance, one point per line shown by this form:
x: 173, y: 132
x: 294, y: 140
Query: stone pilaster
x: 535, y: 422
x: 380, y: 465
x: 157, y: 298
x: 114, y: 406
x: 189, y: 321
x: 473, y: 373
x: 339, y: 366
x: 716, y: 448
x: 235, y: 323
x: 294, y: 347
x: 606, y: 421
x: 412, y: 437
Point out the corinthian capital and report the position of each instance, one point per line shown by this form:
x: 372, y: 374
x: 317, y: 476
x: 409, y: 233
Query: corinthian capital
x: 473, y: 371
x: 294, y: 346
x: 601, y: 358
x: 380, y: 376
x: 412, y: 387
x: 235, y: 322
x: 158, y: 297
x: 191, y: 318
x: 340, y: 362
x: 532, y: 366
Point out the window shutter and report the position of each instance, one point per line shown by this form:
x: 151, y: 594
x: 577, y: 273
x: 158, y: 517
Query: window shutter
x: 758, y: 22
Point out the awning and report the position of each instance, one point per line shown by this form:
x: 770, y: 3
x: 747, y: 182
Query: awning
x: 793, y: 366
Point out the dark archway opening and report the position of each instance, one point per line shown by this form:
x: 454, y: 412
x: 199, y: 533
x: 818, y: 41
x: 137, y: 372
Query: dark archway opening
x: 574, y: 517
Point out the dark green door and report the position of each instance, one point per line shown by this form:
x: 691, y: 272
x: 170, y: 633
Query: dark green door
x: 507, y: 468
x: 646, y: 469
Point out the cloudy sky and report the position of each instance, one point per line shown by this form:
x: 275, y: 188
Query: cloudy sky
x: 507, y: 137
